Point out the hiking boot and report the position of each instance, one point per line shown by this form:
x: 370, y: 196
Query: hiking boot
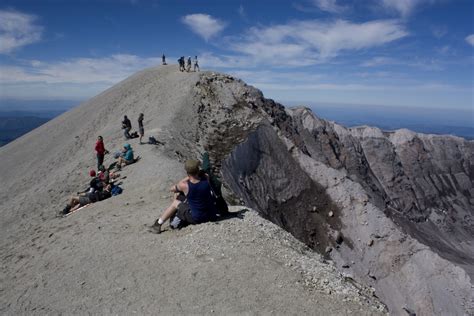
x: 65, y: 210
x: 156, y: 227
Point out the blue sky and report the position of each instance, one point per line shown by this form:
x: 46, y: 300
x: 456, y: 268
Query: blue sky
x: 415, y: 53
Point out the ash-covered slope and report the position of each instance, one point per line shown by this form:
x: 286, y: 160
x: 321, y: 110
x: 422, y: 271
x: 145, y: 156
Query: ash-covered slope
x: 356, y: 195
x: 103, y: 260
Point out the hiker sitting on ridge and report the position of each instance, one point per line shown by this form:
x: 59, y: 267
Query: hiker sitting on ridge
x: 106, y: 176
x: 127, y: 156
x: 95, y: 184
x: 199, y: 206
x: 126, y: 126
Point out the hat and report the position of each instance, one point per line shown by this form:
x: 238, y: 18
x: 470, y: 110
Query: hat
x: 192, y: 166
x: 127, y: 146
x: 92, y: 173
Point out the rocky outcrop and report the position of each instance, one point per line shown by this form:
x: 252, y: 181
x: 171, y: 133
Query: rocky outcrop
x: 381, y: 204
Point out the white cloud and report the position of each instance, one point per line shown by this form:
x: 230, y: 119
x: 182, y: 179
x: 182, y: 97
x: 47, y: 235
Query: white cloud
x: 79, y: 70
x: 329, y: 6
x: 404, y: 7
x: 429, y: 64
x: 241, y: 12
x: 310, y: 42
x: 204, y: 25
x: 17, y: 30
x: 470, y: 39
x: 73, y: 78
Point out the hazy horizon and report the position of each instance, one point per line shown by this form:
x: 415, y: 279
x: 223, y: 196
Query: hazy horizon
x: 423, y: 120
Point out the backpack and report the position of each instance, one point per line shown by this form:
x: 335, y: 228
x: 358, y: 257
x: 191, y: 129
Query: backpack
x: 116, y: 190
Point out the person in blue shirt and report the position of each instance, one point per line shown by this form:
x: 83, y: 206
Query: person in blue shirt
x: 127, y: 156
x: 194, y: 202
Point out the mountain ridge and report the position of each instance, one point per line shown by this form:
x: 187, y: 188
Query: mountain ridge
x: 269, y: 159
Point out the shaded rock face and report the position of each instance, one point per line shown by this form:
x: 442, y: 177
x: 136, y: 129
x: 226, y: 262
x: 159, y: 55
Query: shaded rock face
x: 422, y: 182
x: 267, y: 177
x: 382, y: 204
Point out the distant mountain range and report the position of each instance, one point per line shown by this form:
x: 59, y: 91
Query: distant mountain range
x: 28, y: 115
x: 458, y: 122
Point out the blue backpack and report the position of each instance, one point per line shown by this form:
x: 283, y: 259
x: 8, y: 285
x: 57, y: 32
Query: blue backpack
x: 116, y: 190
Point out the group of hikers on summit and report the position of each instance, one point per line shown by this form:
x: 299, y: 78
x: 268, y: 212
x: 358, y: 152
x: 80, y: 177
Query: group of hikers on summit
x: 186, y: 65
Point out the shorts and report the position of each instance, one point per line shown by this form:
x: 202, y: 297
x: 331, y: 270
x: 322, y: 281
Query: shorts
x: 142, y: 131
x: 84, y: 200
x: 184, y: 213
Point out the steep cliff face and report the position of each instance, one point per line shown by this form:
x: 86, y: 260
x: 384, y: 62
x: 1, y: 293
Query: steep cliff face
x: 391, y: 209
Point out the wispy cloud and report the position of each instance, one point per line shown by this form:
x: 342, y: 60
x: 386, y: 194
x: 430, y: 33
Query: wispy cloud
x: 404, y: 7
x: 204, y: 25
x: 241, y: 12
x: 72, y: 78
x: 470, y: 39
x: 78, y: 70
x: 17, y: 30
x: 330, y: 6
x: 429, y: 64
x: 311, y: 42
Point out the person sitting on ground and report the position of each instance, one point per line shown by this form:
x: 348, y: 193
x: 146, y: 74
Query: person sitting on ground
x: 106, y: 176
x: 95, y: 184
x: 126, y: 126
x: 82, y: 200
x: 127, y: 157
x: 199, y: 206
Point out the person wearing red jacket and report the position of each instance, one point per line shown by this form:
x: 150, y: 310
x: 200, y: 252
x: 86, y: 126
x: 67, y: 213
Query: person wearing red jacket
x: 101, y: 151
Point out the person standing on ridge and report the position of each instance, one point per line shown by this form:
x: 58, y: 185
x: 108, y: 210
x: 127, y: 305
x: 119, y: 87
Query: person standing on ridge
x: 163, y: 59
x: 101, y: 151
x: 126, y: 126
x: 188, y: 68
x: 141, y: 130
x: 196, y: 65
x: 181, y: 63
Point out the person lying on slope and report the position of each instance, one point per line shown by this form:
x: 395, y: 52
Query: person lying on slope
x: 91, y: 197
x: 199, y: 206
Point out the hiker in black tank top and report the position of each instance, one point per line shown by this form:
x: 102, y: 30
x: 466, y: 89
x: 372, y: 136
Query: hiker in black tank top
x: 197, y: 191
